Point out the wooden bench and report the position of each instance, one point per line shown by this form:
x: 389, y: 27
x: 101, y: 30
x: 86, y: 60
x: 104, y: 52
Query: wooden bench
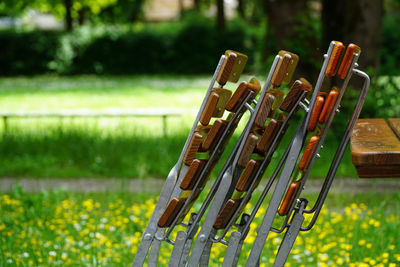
x: 375, y: 148
x: 145, y: 113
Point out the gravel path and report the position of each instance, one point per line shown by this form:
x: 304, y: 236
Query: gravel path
x: 151, y: 185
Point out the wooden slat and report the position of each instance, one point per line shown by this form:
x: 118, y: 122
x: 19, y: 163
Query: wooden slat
x: 289, y: 198
x: 192, y: 149
x: 329, y: 105
x: 280, y: 70
x: 170, y: 212
x: 237, y: 98
x: 319, y: 103
x: 226, y: 69
x: 292, y: 96
x: 268, y: 136
x: 192, y: 174
x: 226, y: 213
x: 248, y: 149
x: 224, y: 96
x: 373, y: 143
x: 209, y: 108
x: 264, y: 111
x: 214, y: 134
x: 394, y: 123
x: 247, y: 176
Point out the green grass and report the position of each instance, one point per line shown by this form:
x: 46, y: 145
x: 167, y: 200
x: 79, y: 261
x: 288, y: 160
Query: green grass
x: 104, y: 229
x: 129, y: 147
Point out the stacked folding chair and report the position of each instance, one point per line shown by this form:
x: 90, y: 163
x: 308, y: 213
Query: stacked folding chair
x: 221, y: 217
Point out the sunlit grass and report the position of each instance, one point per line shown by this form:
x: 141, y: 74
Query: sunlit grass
x: 60, y: 228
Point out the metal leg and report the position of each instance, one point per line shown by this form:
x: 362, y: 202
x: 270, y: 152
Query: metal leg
x: 153, y: 255
x: 231, y: 255
x: 178, y: 249
x: 205, y: 256
x: 290, y: 236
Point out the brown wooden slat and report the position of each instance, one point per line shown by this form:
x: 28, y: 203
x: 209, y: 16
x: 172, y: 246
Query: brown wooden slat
x: 248, y: 149
x: 329, y: 105
x: 281, y: 70
x: 268, y: 136
x: 224, y: 96
x: 192, y: 174
x: 293, y: 95
x: 237, y: 98
x: 264, y: 110
x: 378, y: 171
x: 319, y: 103
x: 289, y: 198
x: 226, y: 69
x: 348, y: 60
x: 226, y: 213
x: 373, y: 143
x: 214, y: 134
x: 209, y: 108
x: 192, y: 149
x: 247, y: 176
x: 335, y: 56
x: 174, y: 206
x: 294, y: 59
x: 394, y: 124
x: 308, y: 152
x: 238, y: 67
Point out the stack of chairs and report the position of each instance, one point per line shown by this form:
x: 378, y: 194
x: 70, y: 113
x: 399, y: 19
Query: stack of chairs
x: 221, y: 216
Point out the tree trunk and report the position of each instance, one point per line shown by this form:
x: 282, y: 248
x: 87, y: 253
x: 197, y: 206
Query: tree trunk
x: 288, y: 29
x: 361, y: 24
x: 81, y: 16
x: 220, y: 15
x: 196, y: 4
x: 240, y: 9
x: 68, y: 16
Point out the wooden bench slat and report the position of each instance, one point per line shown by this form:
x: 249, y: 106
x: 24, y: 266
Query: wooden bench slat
x: 375, y: 149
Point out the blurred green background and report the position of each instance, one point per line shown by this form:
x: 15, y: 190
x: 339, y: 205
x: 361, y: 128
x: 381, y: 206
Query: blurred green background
x: 124, y: 55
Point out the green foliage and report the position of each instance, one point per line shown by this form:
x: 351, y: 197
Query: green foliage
x: 191, y: 47
x: 390, y: 52
x: 27, y: 52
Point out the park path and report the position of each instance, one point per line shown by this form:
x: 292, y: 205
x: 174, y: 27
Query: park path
x: 151, y: 185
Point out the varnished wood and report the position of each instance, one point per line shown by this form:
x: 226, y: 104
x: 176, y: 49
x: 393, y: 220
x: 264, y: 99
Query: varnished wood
x: 226, y: 69
x: 247, y: 176
x: 294, y: 59
x: 226, y: 213
x: 308, y: 152
x: 192, y: 149
x: 329, y: 105
x: 289, y: 198
x: 280, y: 70
x: 373, y: 143
x: 378, y: 171
x: 348, y: 60
x: 238, y: 67
x: 319, y: 103
x: 190, y: 179
x: 248, y: 149
x: 268, y: 136
x: 174, y: 206
x: 214, y: 134
x: 224, y: 96
x: 237, y: 98
x: 293, y: 95
x: 334, y: 59
x: 394, y: 124
x: 254, y: 85
x: 264, y: 111
x: 209, y: 109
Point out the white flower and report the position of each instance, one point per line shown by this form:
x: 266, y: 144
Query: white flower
x: 26, y: 254
x: 53, y: 253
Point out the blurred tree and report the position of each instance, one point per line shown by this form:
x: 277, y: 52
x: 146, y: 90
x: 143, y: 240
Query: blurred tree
x: 241, y: 8
x: 122, y: 11
x: 290, y: 27
x: 360, y: 23
x: 220, y: 15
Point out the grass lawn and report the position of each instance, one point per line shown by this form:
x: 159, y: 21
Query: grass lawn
x: 104, y: 229
x: 127, y: 147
